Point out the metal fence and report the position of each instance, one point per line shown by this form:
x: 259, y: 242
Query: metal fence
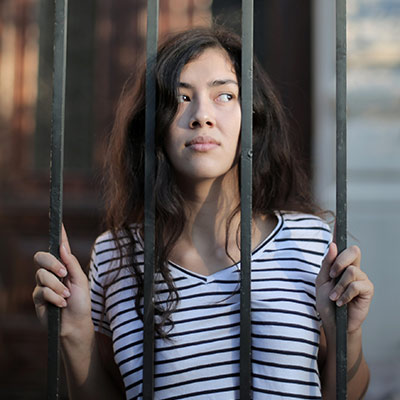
x: 60, y: 45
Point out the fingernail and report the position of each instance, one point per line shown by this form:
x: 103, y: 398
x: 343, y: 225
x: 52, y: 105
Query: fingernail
x: 333, y: 296
x: 62, y: 272
x: 332, y: 274
x: 339, y: 303
x: 66, y: 293
x: 63, y: 303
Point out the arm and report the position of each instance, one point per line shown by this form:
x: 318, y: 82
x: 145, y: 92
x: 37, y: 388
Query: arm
x: 357, y: 372
x: 89, y: 364
x: 355, y: 290
x: 86, y: 375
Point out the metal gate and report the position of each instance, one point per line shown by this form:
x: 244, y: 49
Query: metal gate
x: 60, y: 45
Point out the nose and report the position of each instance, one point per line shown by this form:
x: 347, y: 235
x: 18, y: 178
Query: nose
x: 202, y: 115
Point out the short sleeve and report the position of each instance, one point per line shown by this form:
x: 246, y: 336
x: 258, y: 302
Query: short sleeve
x: 97, y: 295
x: 327, y: 233
x: 327, y: 236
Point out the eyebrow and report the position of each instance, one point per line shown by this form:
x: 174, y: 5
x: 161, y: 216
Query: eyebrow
x: 217, y: 82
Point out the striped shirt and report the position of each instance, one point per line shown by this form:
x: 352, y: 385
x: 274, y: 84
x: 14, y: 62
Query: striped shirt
x: 201, y: 359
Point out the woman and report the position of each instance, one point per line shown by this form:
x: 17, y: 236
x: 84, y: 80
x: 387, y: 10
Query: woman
x: 294, y: 263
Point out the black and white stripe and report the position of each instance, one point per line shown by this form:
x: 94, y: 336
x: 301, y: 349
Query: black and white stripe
x: 201, y: 358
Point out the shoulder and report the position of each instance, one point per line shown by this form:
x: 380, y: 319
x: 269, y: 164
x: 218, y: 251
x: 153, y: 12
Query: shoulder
x: 306, y: 228
x: 303, y: 238
x: 297, y: 220
x: 110, y: 249
x: 109, y: 241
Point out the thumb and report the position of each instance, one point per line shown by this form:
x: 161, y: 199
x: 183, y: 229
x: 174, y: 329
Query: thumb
x: 71, y: 263
x: 327, y: 262
x: 64, y: 239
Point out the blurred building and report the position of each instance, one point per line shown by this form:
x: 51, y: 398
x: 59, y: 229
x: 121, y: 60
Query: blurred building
x: 106, y: 42
x: 373, y: 162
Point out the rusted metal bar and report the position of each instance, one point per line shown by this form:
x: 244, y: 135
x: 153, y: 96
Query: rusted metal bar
x: 149, y: 218
x: 56, y: 184
x: 246, y: 198
x: 341, y: 190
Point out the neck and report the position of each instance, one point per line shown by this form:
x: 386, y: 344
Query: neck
x: 205, y: 246
x: 208, y: 205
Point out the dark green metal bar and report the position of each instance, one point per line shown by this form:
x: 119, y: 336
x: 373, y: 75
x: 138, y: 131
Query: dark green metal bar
x: 341, y: 190
x: 56, y: 184
x: 246, y: 198
x: 149, y: 214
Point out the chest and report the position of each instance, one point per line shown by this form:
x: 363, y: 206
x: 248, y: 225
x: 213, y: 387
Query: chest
x: 205, y: 338
x: 207, y: 255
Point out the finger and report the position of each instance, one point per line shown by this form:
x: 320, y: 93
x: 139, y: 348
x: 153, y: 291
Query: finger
x: 40, y: 305
x: 64, y: 239
x: 349, y: 256
x: 71, y: 264
x: 334, y: 232
x: 50, y: 263
x: 363, y: 288
x: 43, y: 295
x: 47, y: 279
x: 351, y: 274
x: 323, y: 275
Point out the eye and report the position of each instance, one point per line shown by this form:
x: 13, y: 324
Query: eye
x: 182, y: 98
x: 225, y: 97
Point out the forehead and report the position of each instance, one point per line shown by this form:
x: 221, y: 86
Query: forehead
x: 212, y: 63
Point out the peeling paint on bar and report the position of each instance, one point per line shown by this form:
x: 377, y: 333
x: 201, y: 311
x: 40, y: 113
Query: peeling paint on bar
x: 56, y: 184
x: 341, y: 191
x: 149, y: 213
x: 246, y: 198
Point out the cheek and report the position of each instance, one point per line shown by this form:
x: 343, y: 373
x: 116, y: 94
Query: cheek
x: 174, y: 129
x: 235, y: 136
x: 173, y: 142
x: 235, y: 125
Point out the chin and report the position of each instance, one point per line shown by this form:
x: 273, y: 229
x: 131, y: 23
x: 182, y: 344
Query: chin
x: 209, y: 174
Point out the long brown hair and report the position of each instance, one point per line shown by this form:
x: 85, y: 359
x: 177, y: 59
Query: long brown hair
x: 279, y: 182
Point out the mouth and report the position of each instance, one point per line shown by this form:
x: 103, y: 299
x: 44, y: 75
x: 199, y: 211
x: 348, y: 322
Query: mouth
x: 202, y: 143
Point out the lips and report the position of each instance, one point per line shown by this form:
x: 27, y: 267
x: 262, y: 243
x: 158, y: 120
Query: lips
x: 202, y: 143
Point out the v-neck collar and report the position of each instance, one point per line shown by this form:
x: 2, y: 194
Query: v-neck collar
x: 225, y: 272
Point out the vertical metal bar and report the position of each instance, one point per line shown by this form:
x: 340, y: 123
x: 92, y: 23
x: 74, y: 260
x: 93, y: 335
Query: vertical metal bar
x: 246, y: 198
x: 56, y: 183
x: 149, y: 217
x: 341, y: 190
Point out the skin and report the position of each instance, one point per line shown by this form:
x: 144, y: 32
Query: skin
x: 203, y: 139
x: 202, y: 145
x: 90, y: 369
x: 354, y: 289
x: 209, y: 111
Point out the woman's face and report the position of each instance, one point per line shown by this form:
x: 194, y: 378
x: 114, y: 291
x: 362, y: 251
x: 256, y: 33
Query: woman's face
x: 203, y: 138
